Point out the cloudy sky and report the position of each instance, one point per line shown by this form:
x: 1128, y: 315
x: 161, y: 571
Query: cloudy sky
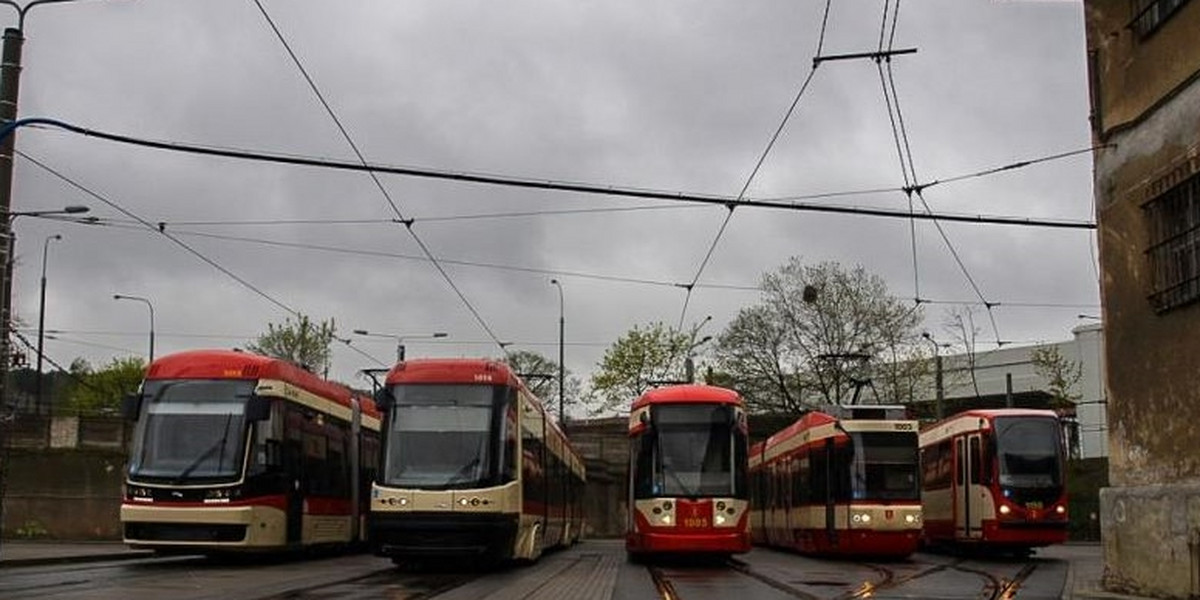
x: 678, y: 96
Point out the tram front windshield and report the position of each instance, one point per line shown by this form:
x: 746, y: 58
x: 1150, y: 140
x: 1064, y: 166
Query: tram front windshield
x: 885, y: 466
x: 1029, y: 452
x: 440, y: 436
x: 692, y: 450
x: 190, y: 430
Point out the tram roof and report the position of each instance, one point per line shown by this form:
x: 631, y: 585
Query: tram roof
x: 688, y: 394
x: 992, y: 413
x: 453, y: 370
x: 233, y: 364
x: 958, y: 423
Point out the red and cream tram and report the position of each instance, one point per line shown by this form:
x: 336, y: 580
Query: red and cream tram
x: 233, y: 452
x: 473, y: 466
x: 687, y: 471
x: 995, y: 478
x: 839, y: 482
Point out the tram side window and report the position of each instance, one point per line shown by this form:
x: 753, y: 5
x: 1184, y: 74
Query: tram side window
x: 820, y: 474
x: 936, y: 461
x: 976, y: 459
x: 960, y: 460
x: 804, y: 482
x: 337, y: 463
x: 642, y: 450
x: 533, y: 467
x: 316, y: 448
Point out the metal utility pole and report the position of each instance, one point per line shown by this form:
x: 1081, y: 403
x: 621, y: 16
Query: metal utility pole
x: 10, y: 80
x: 562, y: 417
x: 42, y: 317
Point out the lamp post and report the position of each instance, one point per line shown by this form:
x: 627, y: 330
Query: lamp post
x: 151, y: 307
x: 42, y: 315
x: 562, y: 417
x: 940, y: 397
x: 400, y: 339
x: 9, y: 244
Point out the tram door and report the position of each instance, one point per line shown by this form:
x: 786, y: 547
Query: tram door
x: 968, y: 514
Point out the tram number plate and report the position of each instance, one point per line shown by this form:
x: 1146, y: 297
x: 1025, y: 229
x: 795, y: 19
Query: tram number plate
x: 695, y: 522
x: 1034, y: 505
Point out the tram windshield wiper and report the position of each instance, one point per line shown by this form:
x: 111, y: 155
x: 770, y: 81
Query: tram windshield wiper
x: 218, y: 445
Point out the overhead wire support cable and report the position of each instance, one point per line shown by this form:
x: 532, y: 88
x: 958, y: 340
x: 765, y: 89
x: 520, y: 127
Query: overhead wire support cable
x: 877, y: 55
x: 527, y: 183
x: 900, y: 134
x: 712, y: 247
x: 170, y: 236
x: 374, y: 177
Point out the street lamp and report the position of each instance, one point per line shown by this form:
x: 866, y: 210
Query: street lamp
x: 151, y: 307
x: 938, y: 384
x: 400, y: 339
x: 42, y: 315
x: 9, y: 244
x: 561, y: 368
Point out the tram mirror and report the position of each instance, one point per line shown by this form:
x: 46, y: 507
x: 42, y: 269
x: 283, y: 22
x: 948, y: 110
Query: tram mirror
x: 644, y: 418
x: 131, y: 406
x: 383, y: 399
x: 258, y: 408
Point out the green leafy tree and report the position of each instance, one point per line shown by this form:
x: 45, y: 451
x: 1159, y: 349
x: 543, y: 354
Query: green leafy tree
x: 820, y: 334
x: 541, y: 375
x: 100, y: 391
x: 638, y: 359
x: 302, y: 342
x: 1062, y: 375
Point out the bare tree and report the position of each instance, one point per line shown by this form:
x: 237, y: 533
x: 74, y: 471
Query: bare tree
x: 817, y: 334
x: 960, y: 322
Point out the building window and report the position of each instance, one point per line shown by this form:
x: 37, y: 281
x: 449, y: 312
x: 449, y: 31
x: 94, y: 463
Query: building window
x: 1174, y: 222
x: 1149, y: 15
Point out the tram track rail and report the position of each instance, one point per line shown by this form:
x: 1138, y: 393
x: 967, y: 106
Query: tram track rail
x: 993, y: 586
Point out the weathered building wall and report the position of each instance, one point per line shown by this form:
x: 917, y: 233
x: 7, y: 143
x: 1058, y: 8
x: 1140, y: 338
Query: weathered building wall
x: 1146, y: 112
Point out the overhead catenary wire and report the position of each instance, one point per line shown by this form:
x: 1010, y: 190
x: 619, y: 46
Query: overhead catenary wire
x: 532, y: 270
x: 527, y: 183
x: 312, y: 84
x: 900, y: 133
x: 762, y: 157
x: 170, y: 236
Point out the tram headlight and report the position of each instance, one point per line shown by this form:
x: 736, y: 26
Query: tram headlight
x: 863, y: 518
x: 1060, y: 509
x: 719, y: 519
x: 665, y: 519
x: 1004, y: 509
x: 720, y: 505
x: 912, y: 519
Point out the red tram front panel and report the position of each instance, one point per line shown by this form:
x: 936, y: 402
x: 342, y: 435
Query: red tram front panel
x: 995, y: 478
x: 688, y: 489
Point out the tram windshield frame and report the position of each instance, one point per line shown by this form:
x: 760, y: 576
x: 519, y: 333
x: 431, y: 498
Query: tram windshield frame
x: 446, y: 436
x: 191, y: 431
x: 1029, y: 453
x: 885, y: 465
x: 666, y: 463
